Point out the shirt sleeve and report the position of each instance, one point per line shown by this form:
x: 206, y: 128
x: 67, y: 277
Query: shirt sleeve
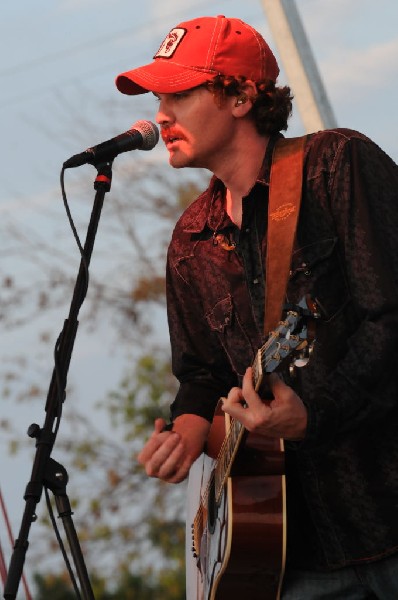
x: 198, y: 359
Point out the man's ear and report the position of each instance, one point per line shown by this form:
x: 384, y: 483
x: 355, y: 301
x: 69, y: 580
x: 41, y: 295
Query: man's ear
x: 244, y: 101
x: 241, y: 99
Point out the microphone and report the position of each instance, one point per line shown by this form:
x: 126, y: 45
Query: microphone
x: 143, y: 135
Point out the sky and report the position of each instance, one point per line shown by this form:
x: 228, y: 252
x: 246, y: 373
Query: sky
x: 59, y: 59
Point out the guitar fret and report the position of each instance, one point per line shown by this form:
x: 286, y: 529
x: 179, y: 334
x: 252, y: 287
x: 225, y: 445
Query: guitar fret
x: 226, y: 456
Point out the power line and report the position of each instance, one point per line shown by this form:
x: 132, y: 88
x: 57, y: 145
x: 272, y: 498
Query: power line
x: 54, y: 56
x: 96, y: 42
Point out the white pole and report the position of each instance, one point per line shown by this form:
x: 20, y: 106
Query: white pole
x: 299, y: 64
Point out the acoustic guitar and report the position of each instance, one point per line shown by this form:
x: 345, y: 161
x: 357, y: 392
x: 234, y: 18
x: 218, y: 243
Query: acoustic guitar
x: 236, y: 508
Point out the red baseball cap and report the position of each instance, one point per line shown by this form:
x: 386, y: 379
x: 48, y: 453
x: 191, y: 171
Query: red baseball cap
x: 196, y: 51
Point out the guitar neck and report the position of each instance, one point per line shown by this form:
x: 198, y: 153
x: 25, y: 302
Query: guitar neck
x: 233, y: 438
x: 281, y: 343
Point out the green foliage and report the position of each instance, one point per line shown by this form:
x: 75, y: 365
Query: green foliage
x: 55, y: 587
x: 127, y: 587
x: 144, y: 395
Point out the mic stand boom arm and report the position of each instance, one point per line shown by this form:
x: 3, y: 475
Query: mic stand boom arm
x: 45, y: 471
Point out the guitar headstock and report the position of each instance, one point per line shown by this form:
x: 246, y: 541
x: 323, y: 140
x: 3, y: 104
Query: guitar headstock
x: 289, y: 338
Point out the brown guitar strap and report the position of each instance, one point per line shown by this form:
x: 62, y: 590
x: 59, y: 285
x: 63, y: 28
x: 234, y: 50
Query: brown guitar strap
x: 283, y: 211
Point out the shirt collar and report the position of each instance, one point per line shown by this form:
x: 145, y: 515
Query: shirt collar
x: 211, y: 211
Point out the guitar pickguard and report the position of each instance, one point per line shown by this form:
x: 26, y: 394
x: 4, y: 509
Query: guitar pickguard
x: 205, y: 568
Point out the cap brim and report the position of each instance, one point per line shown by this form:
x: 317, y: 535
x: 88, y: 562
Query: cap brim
x: 162, y: 77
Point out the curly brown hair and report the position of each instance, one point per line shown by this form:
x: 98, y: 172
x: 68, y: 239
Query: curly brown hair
x: 272, y: 106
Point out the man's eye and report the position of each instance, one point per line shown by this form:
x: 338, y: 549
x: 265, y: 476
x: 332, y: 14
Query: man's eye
x: 176, y: 96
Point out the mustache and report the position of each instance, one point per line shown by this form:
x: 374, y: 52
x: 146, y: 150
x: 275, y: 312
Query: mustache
x: 171, y: 133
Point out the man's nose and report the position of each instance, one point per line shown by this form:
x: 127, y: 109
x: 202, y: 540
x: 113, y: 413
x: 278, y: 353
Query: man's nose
x: 164, y: 115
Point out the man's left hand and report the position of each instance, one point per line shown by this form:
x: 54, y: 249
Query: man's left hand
x: 285, y: 416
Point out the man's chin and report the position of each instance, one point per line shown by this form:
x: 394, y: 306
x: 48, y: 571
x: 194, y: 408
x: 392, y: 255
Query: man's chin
x: 179, y: 162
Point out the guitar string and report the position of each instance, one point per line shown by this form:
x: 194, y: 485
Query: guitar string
x: 222, y: 460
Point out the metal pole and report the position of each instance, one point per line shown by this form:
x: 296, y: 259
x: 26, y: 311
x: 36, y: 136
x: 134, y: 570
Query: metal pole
x: 299, y: 63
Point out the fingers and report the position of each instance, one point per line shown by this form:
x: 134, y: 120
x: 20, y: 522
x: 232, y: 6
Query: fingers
x: 248, y: 397
x: 241, y: 402
x: 233, y: 401
x: 280, y: 390
x: 241, y: 396
x: 168, y: 461
x: 248, y: 390
x: 164, y: 455
x: 159, y: 425
x: 153, y: 443
x: 276, y: 384
x: 246, y: 406
x: 284, y: 417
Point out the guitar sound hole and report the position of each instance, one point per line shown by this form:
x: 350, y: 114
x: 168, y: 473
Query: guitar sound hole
x: 212, y: 506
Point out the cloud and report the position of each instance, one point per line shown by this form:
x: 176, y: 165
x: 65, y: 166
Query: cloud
x: 362, y: 68
x: 29, y: 203
x: 317, y: 19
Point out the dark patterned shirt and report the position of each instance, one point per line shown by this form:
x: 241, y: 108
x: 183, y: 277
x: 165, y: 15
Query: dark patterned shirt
x: 342, y: 479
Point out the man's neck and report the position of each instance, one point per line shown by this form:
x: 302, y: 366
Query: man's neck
x: 240, y: 175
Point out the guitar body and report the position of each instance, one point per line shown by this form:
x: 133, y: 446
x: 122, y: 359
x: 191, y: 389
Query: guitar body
x: 240, y: 537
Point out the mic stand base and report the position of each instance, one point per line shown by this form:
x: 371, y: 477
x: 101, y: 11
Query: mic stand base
x: 55, y: 480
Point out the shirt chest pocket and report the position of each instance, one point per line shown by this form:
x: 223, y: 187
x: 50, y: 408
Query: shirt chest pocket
x: 224, y: 321
x: 221, y: 315
x: 317, y: 269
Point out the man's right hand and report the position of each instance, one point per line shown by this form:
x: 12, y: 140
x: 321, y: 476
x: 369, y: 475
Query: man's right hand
x: 169, y: 455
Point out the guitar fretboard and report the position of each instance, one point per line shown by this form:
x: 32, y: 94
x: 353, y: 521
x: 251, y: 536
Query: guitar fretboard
x: 227, y: 455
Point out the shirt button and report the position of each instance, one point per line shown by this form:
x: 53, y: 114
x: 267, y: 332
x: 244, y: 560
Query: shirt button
x: 255, y: 280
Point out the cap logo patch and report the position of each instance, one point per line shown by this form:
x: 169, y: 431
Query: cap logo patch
x: 170, y: 43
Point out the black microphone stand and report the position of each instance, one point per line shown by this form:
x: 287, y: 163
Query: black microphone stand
x: 46, y: 472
